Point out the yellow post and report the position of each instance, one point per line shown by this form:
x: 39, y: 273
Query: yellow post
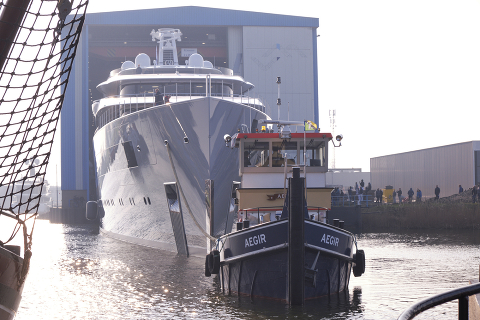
x: 388, y: 194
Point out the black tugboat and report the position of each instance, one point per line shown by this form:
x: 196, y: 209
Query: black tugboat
x: 283, y: 248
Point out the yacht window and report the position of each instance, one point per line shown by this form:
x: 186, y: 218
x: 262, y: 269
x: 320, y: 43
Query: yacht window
x: 181, y: 89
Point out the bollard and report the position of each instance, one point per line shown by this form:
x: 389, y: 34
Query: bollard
x: 239, y: 226
x: 246, y: 224
x: 341, y: 223
x: 336, y: 222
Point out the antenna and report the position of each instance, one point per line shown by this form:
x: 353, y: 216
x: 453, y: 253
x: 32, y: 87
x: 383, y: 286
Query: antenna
x: 332, y: 114
x: 167, y: 47
x: 279, y: 102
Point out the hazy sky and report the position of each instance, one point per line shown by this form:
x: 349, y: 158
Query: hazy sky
x: 401, y: 75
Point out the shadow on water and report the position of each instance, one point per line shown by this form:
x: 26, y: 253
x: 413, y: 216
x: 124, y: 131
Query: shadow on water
x: 339, y: 306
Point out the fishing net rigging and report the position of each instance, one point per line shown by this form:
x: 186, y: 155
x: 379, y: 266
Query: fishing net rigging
x: 38, y: 41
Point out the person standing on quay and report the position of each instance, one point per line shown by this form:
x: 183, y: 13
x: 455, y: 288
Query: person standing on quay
x: 399, y: 193
x: 460, y: 189
x: 419, y: 195
x: 474, y: 194
x: 394, y: 194
x: 410, y: 195
x: 437, y: 192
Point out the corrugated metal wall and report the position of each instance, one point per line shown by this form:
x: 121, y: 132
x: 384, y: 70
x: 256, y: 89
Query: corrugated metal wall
x: 446, y: 166
x: 271, y: 52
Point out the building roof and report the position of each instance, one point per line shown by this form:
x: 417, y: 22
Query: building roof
x: 192, y: 15
x: 475, y: 147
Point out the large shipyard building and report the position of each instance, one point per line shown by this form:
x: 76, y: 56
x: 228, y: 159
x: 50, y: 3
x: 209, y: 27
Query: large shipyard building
x: 446, y: 166
x: 258, y: 46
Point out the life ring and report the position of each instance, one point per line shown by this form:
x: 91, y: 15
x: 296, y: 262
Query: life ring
x: 359, y: 267
x: 214, y: 262
x: 207, y: 270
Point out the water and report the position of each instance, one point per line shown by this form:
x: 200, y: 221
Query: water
x: 79, y: 275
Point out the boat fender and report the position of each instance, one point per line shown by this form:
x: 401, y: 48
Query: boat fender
x: 359, y: 259
x: 207, y: 270
x: 91, y: 213
x: 214, y: 262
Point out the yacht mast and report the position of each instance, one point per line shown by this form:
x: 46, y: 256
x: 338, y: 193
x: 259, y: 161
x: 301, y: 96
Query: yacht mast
x: 167, y: 47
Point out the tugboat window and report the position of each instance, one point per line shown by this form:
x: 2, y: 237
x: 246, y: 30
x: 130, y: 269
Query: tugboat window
x: 256, y: 154
x: 315, y: 153
x: 280, y: 149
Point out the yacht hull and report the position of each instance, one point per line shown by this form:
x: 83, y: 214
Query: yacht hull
x: 133, y: 165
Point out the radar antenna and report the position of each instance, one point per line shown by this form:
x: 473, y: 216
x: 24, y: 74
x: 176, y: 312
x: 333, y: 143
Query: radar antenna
x: 167, y: 46
x: 333, y: 125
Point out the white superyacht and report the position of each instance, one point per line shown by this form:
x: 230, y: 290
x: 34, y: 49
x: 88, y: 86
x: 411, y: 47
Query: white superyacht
x: 165, y: 177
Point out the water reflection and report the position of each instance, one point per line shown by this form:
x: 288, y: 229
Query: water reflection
x: 77, y: 274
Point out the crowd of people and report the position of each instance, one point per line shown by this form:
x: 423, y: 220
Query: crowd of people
x: 409, y: 198
x: 360, y: 193
x: 353, y: 194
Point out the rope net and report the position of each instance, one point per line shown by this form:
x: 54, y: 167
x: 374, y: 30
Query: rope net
x: 38, y: 40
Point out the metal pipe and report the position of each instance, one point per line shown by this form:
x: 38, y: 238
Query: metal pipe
x: 296, y: 239
x: 439, y: 299
x: 10, y: 20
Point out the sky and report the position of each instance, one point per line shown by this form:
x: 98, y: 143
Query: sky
x: 401, y: 75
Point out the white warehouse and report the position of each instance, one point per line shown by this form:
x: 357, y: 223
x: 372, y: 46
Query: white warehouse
x: 446, y: 166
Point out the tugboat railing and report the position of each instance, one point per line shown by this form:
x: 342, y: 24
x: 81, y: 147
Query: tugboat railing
x: 264, y: 210
x: 461, y: 294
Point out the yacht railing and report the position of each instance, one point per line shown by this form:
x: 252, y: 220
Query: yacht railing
x: 120, y: 105
x: 461, y: 294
